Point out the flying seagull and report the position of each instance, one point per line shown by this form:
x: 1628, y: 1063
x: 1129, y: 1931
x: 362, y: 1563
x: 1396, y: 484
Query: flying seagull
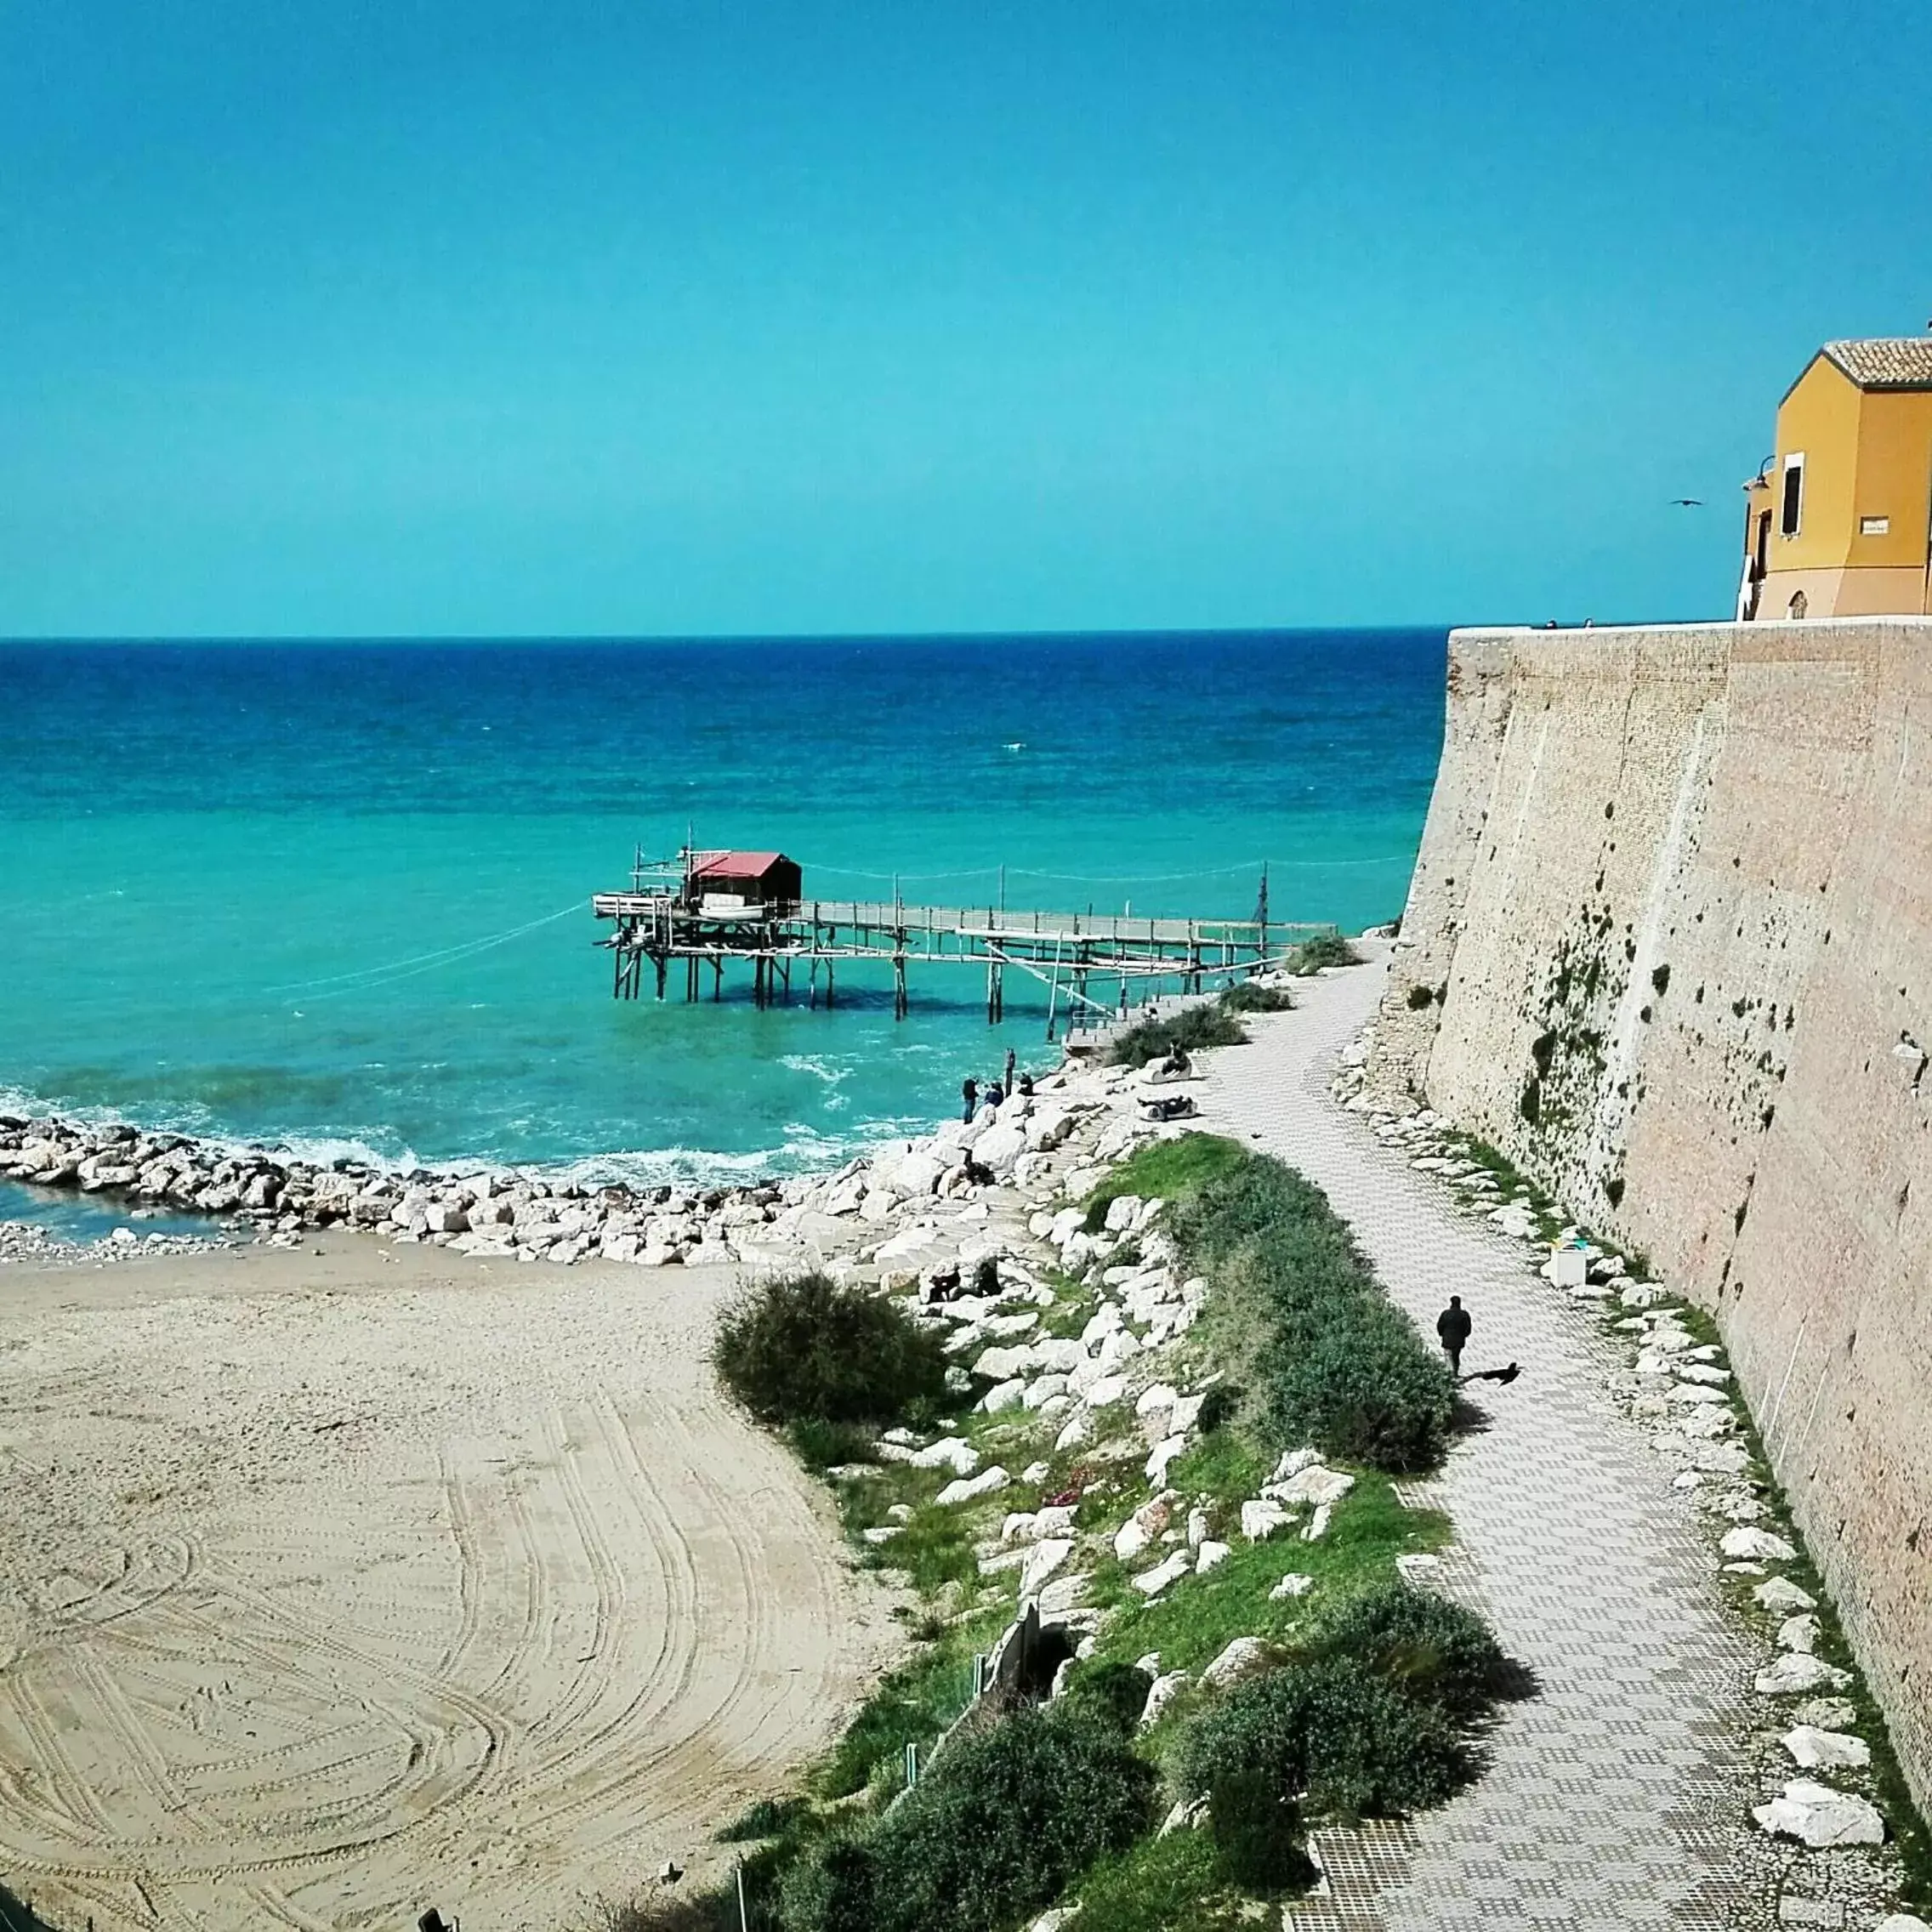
x: 1687, y: 503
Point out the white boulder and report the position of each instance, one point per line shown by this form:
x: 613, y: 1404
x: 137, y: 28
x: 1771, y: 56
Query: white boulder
x: 1150, y: 1583
x: 1797, y: 1673
x: 1159, y: 1694
x: 1760, y: 1544
x: 1816, y: 1750
x: 970, y: 1488
x: 1315, y: 1484
x: 1046, y: 1557
x: 1261, y: 1519
x: 1245, y: 1658
x: 953, y: 1452
x: 1821, y: 1817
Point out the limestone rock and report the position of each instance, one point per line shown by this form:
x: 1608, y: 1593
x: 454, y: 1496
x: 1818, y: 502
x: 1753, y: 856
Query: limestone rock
x: 1315, y: 1484
x: 1261, y: 1519
x: 1211, y: 1556
x: 1821, y: 1817
x: 1046, y: 1557
x: 1797, y: 1674
x: 1825, y: 1713
x: 1816, y: 1750
x: 1294, y: 1584
x: 1245, y: 1658
x: 1063, y: 1596
x: 1163, y: 1455
x: 1004, y: 1395
x: 1159, y: 1694
x: 1149, y: 1582
x: 953, y: 1452
x: 1293, y: 1462
x: 1798, y: 1633
x: 1781, y: 1596
x: 1760, y: 1544
x: 970, y: 1488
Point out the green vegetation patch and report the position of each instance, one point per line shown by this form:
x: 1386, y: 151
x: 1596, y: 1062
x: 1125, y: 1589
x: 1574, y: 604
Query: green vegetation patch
x: 1005, y: 1820
x: 1168, y: 1170
x: 1303, y: 1326
x: 1325, y: 949
x: 1210, y: 1024
x: 802, y: 1350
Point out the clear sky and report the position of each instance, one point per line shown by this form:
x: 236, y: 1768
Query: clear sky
x: 394, y: 316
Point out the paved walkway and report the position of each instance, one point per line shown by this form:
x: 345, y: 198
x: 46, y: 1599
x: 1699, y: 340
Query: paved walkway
x: 1616, y: 1797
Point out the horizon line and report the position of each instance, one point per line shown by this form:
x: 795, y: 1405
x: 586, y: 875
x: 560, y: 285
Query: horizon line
x: 243, y: 637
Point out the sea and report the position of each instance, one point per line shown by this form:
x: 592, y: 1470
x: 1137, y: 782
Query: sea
x: 335, y: 896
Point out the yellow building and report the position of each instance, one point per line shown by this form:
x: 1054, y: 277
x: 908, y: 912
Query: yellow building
x: 1839, y: 523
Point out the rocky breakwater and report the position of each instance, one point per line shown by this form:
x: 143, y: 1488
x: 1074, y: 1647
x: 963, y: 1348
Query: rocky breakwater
x: 880, y: 1212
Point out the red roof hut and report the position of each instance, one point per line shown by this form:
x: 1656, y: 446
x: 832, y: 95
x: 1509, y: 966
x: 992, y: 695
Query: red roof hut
x: 768, y: 881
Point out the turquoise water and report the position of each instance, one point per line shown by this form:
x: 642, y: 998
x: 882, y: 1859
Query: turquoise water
x: 336, y: 894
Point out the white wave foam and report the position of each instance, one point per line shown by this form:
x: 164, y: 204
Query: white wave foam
x: 805, y: 1149
x: 818, y: 1067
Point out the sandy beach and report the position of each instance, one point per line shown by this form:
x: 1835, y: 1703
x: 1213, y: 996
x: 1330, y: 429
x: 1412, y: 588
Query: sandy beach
x: 340, y: 1583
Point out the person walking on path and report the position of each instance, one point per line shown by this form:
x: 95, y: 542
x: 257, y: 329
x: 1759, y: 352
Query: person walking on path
x: 1453, y: 1326
x: 969, y: 1092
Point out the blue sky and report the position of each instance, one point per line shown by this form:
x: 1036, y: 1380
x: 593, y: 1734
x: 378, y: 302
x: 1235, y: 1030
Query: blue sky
x: 412, y: 316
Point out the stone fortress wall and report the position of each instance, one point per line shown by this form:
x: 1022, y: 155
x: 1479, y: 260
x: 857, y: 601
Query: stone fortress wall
x: 1669, y: 946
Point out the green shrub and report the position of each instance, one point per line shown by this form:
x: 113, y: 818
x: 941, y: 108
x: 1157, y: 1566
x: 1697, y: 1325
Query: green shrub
x: 1356, y: 1744
x: 1206, y: 1024
x: 1113, y: 1694
x: 1366, y: 1392
x: 1258, y: 1832
x: 804, y: 1350
x: 1000, y: 1825
x: 1325, y: 949
x: 1426, y: 1644
x: 1249, y: 996
x: 1305, y: 1327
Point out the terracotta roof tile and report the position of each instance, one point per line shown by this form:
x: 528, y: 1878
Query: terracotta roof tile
x: 1885, y: 362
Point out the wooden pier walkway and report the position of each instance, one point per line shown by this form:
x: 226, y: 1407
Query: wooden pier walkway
x: 678, y: 916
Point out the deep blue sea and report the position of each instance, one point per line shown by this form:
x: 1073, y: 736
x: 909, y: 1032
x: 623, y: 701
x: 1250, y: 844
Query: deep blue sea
x: 337, y: 894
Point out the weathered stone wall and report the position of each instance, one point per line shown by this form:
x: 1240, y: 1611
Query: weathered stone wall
x: 1670, y: 945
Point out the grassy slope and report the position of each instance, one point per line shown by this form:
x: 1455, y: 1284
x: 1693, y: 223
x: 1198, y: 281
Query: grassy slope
x: 1160, y: 1883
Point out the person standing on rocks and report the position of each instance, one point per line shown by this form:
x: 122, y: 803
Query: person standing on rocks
x: 1012, y: 1060
x: 969, y: 1092
x: 1453, y: 1326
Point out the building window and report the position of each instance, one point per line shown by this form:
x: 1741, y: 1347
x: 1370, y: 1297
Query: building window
x: 1793, y: 494
x: 1874, y: 525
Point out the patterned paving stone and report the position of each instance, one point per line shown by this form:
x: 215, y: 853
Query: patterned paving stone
x: 1616, y: 1797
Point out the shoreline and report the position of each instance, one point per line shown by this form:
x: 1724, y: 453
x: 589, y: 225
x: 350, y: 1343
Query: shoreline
x: 374, y: 1451
x: 267, y: 1194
